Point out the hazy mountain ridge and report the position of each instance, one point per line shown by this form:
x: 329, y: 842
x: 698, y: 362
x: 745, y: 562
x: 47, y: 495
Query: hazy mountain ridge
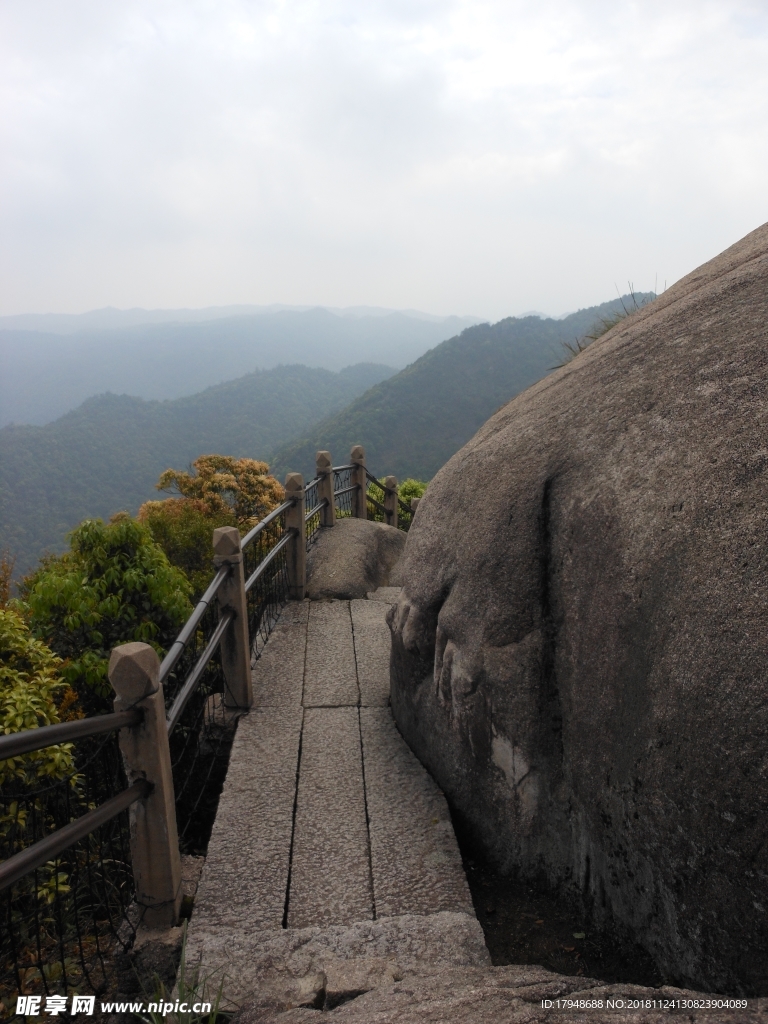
x: 108, y: 454
x: 46, y: 374
x: 111, y: 318
x: 413, y: 422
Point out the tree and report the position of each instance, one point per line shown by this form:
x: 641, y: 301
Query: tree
x: 224, y: 491
x: 114, y: 586
x: 32, y: 694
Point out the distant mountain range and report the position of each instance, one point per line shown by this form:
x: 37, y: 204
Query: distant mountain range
x: 108, y: 454
x: 52, y: 363
x: 111, y: 318
x: 413, y: 422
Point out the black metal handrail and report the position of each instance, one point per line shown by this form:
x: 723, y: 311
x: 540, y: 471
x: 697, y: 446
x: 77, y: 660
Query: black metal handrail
x: 378, y: 505
x: 190, y: 683
x: 318, y: 508
x: 346, y: 490
x: 404, y: 506
x: 269, y: 558
x: 39, y: 853
x: 372, y: 479
x: 253, y: 534
x: 188, y: 631
x: 18, y: 743
x: 342, y: 469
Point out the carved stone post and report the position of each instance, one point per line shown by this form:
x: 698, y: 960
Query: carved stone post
x: 359, y: 501
x: 324, y: 469
x: 133, y: 673
x: 390, y: 500
x: 235, y: 645
x: 297, y: 549
x: 414, y: 504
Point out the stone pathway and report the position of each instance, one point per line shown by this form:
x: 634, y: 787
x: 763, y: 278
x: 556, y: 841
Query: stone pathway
x: 333, y: 861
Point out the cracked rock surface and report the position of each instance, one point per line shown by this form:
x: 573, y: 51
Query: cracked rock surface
x: 580, y: 646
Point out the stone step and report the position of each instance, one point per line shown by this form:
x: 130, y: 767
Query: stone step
x: 415, y: 861
x: 331, y: 868
x: 327, y: 823
x: 278, y: 672
x: 389, y: 595
x: 330, y: 675
x: 246, y: 869
x: 372, y: 643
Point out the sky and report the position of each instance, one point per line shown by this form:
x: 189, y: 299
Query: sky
x: 476, y: 158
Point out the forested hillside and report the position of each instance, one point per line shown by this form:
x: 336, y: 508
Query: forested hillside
x: 108, y: 454
x: 46, y: 374
x: 412, y: 423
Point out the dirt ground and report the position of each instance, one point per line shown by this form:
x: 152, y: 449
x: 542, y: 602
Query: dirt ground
x: 527, y: 925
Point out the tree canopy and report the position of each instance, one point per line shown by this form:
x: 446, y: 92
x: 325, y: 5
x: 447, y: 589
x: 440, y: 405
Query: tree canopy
x: 114, y: 586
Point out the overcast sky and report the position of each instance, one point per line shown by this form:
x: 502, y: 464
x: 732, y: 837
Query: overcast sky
x: 454, y: 157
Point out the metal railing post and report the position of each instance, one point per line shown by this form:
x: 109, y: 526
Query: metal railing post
x: 324, y: 470
x: 134, y: 675
x: 235, y: 645
x: 390, y: 500
x: 359, y: 501
x: 296, y: 551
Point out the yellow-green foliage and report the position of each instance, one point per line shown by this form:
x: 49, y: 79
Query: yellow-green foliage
x: 114, y: 586
x: 223, y: 492
x: 408, y: 489
x: 31, y: 691
x: 411, y: 488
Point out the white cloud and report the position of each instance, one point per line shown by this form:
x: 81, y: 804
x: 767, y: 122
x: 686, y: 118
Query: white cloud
x: 452, y: 156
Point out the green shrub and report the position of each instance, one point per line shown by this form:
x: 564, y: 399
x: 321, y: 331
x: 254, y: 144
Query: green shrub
x: 32, y: 693
x: 184, y: 530
x: 408, y: 489
x: 411, y: 488
x: 114, y: 586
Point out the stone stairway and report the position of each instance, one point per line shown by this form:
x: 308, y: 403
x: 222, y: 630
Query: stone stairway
x: 333, y: 865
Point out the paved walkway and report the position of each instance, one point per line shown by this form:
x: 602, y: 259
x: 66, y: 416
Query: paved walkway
x: 331, y: 841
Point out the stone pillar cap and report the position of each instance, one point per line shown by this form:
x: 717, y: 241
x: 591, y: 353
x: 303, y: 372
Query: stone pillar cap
x: 133, y: 671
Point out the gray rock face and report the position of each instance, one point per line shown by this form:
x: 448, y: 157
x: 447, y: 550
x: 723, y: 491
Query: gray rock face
x: 580, y: 650
x: 352, y: 558
x: 271, y: 970
x: 504, y: 995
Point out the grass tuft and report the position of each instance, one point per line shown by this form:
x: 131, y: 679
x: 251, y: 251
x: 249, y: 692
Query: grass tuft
x: 571, y: 349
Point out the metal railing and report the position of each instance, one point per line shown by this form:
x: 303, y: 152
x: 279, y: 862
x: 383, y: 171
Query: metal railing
x: 266, y: 574
x: 66, y: 882
x: 385, y: 504
x: 343, y: 490
x: 314, y: 506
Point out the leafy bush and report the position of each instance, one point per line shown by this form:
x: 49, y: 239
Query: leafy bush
x: 32, y: 694
x: 114, y: 586
x: 408, y: 489
x: 7, y: 563
x: 411, y: 488
x: 224, y: 492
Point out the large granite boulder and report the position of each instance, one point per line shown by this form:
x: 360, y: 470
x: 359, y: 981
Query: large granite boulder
x: 580, y: 650
x: 352, y: 558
